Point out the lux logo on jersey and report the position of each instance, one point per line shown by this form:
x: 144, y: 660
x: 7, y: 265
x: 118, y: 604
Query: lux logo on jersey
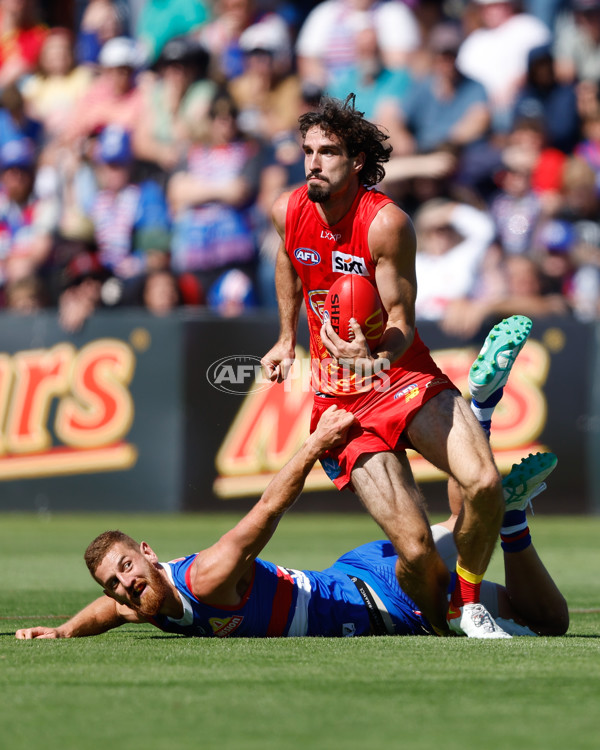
x: 349, y: 264
x: 327, y: 235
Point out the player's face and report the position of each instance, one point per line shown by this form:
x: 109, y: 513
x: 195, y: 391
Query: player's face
x: 131, y: 577
x: 329, y: 169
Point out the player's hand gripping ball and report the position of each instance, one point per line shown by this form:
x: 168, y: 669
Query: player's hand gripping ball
x: 355, y: 297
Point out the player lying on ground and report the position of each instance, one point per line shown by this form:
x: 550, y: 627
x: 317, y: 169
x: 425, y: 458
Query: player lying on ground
x: 226, y: 590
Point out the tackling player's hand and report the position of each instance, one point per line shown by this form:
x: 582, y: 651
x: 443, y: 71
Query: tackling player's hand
x: 28, y: 634
x: 332, y: 427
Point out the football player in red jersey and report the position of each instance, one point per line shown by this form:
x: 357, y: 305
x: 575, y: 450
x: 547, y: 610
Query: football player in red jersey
x: 335, y: 224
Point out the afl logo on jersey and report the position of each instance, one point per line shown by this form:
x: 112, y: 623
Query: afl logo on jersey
x: 306, y: 256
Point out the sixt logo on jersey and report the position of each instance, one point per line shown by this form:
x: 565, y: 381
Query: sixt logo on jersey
x: 306, y: 256
x: 349, y: 264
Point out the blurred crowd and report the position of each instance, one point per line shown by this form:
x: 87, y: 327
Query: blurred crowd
x: 143, y: 142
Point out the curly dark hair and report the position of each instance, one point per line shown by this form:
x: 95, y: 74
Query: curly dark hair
x: 358, y: 135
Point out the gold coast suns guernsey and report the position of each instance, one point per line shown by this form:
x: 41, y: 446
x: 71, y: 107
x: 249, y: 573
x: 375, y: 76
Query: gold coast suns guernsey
x: 322, y: 253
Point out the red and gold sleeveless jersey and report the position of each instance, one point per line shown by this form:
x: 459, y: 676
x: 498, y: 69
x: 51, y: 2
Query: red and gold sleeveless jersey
x: 320, y: 254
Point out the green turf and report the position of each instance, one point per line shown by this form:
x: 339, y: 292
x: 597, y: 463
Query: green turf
x: 138, y: 688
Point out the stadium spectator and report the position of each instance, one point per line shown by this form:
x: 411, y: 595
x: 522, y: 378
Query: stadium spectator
x: 326, y: 43
x: 159, y: 21
x: 581, y: 207
x: 446, y: 107
x: 529, y: 176
x: 123, y: 210
x: 211, y: 200
x: 25, y: 296
x: 579, y: 189
x: 154, y: 241
x: 452, y: 240
x: 379, y: 90
x: 516, y: 208
x: 113, y: 98
x: 552, y: 249
x: 102, y: 20
x: 267, y: 93
x: 543, y: 97
x: 15, y: 123
x: 221, y: 35
x: 226, y: 590
x: 21, y: 39
x: 75, y: 185
x: 160, y: 292
x: 52, y: 92
x: 81, y: 293
x: 547, y: 11
x: 577, y: 43
x: 175, y: 107
x: 585, y: 290
x: 518, y: 288
x: 527, y: 147
x: 415, y: 179
x: 232, y: 294
x: 588, y: 149
x: 27, y: 223
x: 496, y: 54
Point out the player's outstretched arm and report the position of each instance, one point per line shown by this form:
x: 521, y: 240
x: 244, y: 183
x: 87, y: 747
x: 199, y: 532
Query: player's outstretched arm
x: 218, y: 570
x: 101, y: 615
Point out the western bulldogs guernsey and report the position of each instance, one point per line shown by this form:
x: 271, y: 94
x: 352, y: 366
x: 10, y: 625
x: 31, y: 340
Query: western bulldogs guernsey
x: 320, y: 254
x: 285, y: 602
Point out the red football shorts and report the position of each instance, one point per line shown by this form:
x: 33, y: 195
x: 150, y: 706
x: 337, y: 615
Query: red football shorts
x: 382, y: 416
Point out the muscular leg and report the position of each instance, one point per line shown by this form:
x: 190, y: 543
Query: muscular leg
x: 447, y: 434
x: 386, y: 487
x: 488, y: 376
x: 531, y: 596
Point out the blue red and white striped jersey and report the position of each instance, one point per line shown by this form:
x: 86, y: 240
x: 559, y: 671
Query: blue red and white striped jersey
x: 286, y: 602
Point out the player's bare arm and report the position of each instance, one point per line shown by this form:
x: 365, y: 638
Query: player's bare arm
x: 99, y: 616
x: 392, y: 243
x: 279, y: 359
x: 221, y: 574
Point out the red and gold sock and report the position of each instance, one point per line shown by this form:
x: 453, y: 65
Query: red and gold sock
x: 467, y: 587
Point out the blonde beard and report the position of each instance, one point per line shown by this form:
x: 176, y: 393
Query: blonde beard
x: 153, y: 596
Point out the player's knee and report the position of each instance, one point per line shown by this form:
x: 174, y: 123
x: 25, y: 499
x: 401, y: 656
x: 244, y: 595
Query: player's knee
x: 417, y: 555
x: 486, y: 496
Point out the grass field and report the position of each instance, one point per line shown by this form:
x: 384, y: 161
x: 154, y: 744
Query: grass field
x: 138, y: 688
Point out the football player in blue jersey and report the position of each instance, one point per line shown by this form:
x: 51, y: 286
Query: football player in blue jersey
x: 226, y: 590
